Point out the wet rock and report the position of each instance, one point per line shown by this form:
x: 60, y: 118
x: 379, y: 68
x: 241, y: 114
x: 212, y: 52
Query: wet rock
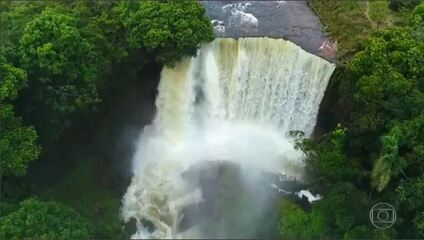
x: 148, y: 225
x: 291, y: 20
x: 130, y: 227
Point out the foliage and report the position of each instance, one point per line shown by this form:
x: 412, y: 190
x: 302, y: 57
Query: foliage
x: 380, y: 15
x: 82, y: 191
x: 384, y: 144
x: 410, y: 189
x: 345, y: 21
x: 386, y: 84
x: 398, y: 5
x: 384, y: 88
x: 168, y: 29
x: 344, y: 207
x: 14, y: 17
x: 388, y: 164
x: 326, y: 162
x: 417, y: 17
x: 411, y: 142
x: 18, y: 143
x: 350, y: 23
x: 6, y: 208
x: 98, y: 22
x: 61, y: 66
x: 295, y: 223
x: 409, y: 197
x: 13, y: 80
x: 44, y: 220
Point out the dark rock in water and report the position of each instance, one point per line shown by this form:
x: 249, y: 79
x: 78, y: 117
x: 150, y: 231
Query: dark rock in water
x: 148, y: 225
x: 218, y: 180
x: 233, y: 205
x: 130, y: 227
x: 213, y: 177
x: 209, y: 170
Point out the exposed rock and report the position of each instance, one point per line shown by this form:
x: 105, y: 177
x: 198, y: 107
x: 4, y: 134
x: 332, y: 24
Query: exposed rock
x: 148, y: 225
x: 130, y: 227
x: 291, y: 20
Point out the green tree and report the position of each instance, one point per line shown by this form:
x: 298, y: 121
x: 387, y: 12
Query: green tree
x: 410, y: 199
x: 344, y: 207
x: 410, y: 134
x: 417, y: 17
x: 295, y: 223
x: 61, y: 66
x: 401, y: 152
x: 326, y: 160
x: 99, y: 23
x: 18, y: 143
x: 14, y: 17
x: 384, y: 144
x: 35, y: 219
x: 389, y: 164
x: 417, y: 22
x: 167, y: 29
x: 386, y: 85
x: 403, y: 4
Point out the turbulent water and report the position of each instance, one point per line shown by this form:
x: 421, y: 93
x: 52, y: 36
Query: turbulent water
x: 235, y: 101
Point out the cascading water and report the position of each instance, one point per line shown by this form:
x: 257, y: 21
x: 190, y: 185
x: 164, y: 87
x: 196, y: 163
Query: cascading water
x: 235, y: 101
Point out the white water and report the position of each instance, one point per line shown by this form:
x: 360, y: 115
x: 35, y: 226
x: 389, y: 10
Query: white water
x: 235, y: 101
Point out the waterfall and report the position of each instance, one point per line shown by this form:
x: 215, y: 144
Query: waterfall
x: 235, y: 101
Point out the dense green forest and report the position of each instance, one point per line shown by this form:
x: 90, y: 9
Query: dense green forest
x: 64, y: 61
x: 59, y: 63
x: 374, y: 152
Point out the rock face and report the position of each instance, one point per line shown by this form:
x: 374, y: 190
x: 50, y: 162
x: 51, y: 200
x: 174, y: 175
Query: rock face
x: 291, y: 20
x: 130, y: 227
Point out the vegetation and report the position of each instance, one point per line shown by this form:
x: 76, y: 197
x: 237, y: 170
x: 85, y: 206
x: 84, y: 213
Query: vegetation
x: 295, y: 223
x: 81, y: 191
x: 61, y: 61
x: 18, y: 143
x: 377, y: 155
x: 405, y: 4
x: 168, y: 30
x: 349, y: 23
x: 44, y: 220
x: 61, y: 66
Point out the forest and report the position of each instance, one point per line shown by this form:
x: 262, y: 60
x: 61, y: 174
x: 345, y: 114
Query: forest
x: 65, y: 64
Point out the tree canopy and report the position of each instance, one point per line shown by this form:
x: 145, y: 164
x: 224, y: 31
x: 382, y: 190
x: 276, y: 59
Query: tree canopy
x: 61, y: 66
x: 388, y: 75
x: 44, y: 220
x: 18, y: 143
x: 167, y: 29
x: 377, y: 155
x: 295, y: 223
